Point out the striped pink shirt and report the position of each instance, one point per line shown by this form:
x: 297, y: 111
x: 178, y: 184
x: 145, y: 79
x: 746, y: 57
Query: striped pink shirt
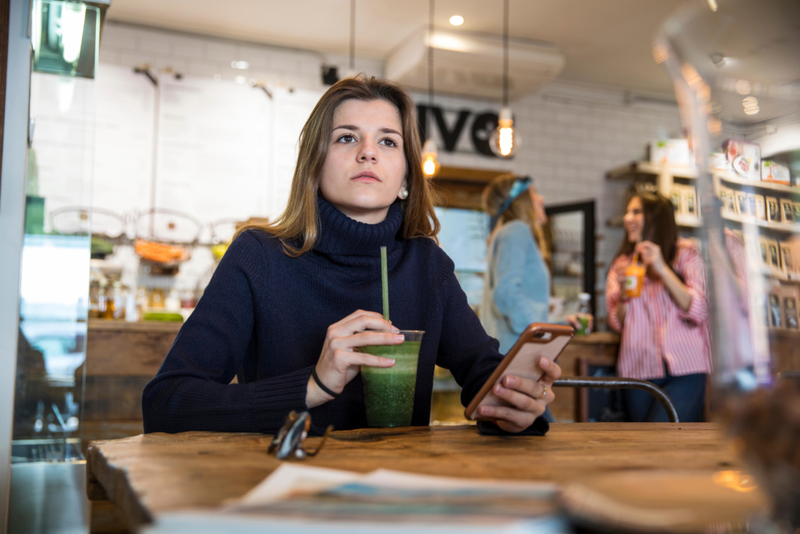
x: 656, y: 328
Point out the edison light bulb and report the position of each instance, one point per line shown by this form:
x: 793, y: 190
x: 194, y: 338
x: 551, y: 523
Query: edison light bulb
x: 430, y: 159
x: 505, y: 139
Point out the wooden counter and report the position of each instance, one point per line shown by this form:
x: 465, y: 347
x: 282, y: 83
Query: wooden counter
x: 121, y: 358
x: 145, y: 476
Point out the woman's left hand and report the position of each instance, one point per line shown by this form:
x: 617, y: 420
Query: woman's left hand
x: 528, y: 398
x: 651, y: 256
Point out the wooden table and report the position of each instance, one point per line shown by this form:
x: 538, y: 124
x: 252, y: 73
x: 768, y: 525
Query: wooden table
x: 147, y: 475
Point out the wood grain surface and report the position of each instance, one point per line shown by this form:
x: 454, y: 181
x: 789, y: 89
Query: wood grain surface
x: 151, y: 474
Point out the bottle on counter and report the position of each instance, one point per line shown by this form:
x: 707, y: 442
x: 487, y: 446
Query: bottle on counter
x: 156, y: 298
x: 584, y: 311
x: 105, y: 301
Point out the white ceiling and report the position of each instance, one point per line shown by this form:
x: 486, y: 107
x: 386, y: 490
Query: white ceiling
x: 605, y: 42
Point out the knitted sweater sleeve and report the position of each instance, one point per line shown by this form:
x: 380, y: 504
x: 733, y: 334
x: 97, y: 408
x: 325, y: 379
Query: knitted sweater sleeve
x: 192, y: 390
x: 468, y: 351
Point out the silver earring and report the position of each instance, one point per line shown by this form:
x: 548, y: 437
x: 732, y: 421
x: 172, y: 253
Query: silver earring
x: 404, y: 194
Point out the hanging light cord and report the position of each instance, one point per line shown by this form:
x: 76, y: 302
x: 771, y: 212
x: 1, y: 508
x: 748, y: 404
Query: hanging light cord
x: 505, y: 54
x: 430, y: 56
x: 353, y: 35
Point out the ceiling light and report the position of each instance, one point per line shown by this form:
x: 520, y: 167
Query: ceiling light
x: 743, y: 87
x: 660, y: 53
x: 456, y: 20
x: 241, y: 65
x: 713, y: 5
x: 505, y: 139
x: 430, y: 161
x: 750, y: 105
x: 430, y: 152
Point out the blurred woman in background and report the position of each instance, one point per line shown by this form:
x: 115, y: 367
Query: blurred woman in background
x: 517, y: 287
x: 665, y: 330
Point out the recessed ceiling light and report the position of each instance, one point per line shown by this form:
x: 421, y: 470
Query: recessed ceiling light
x: 241, y: 65
x: 743, y: 87
x: 456, y: 20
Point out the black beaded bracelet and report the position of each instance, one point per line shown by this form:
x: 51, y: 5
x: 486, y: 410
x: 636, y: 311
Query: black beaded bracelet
x: 321, y: 385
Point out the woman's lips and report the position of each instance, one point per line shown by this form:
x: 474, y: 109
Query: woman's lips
x: 366, y: 176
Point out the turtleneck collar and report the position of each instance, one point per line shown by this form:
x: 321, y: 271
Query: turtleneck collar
x: 338, y: 234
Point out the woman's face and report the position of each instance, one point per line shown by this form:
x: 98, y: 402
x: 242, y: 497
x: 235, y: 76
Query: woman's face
x: 634, y: 220
x: 365, y: 169
x: 538, y: 206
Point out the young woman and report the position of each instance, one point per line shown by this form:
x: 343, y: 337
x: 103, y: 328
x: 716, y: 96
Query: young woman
x: 665, y: 331
x: 291, y: 302
x: 517, y: 286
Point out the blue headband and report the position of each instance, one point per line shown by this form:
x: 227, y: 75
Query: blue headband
x: 520, y: 186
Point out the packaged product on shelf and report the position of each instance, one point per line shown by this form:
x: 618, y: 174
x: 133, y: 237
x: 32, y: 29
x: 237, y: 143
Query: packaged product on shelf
x: 773, y: 253
x: 787, y: 210
x: 726, y: 197
x: 761, y: 208
x: 689, y: 197
x: 675, y: 197
x: 764, y: 256
x: 744, y: 158
x: 741, y: 203
x: 673, y: 152
x: 772, y: 172
x: 718, y: 161
x: 787, y: 262
x: 796, y: 210
x: 790, y: 319
x: 775, y: 316
x: 773, y: 210
x: 752, y: 205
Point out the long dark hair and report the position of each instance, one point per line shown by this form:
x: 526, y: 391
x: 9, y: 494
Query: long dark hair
x: 299, y: 222
x: 659, y: 226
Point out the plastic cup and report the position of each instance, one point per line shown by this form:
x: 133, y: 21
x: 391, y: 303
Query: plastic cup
x: 389, y: 391
x: 584, y: 322
x: 634, y: 278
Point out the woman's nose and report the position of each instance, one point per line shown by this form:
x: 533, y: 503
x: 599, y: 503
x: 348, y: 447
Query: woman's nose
x: 367, y: 151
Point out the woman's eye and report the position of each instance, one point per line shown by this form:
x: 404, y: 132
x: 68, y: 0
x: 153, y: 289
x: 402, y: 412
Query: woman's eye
x: 389, y: 142
x: 346, y: 138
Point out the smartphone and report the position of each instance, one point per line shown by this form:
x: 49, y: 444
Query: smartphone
x: 539, y: 340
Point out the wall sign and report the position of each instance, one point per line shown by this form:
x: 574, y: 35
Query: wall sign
x: 480, y: 126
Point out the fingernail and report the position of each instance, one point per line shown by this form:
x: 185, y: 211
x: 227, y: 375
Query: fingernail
x: 400, y: 337
x: 395, y: 330
x: 391, y: 362
x: 510, y: 381
x: 499, y: 388
x: 485, y: 410
x: 544, y: 363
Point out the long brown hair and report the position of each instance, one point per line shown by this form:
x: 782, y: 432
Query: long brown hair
x: 522, y: 208
x: 659, y: 225
x: 297, y: 226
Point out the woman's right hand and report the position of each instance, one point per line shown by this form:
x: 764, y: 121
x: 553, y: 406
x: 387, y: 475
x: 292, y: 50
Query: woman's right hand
x: 339, y: 363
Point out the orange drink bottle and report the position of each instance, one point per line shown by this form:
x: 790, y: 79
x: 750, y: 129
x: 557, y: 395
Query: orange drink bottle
x: 634, y: 277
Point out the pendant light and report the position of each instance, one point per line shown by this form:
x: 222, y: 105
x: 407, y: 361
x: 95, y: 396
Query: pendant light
x: 351, y: 71
x: 505, y: 140
x: 430, y: 152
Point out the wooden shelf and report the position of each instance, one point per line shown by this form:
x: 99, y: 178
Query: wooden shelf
x: 780, y: 227
x: 731, y: 179
x: 644, y: 170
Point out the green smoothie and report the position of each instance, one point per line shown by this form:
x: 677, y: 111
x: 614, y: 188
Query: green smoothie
x: 389, y: 391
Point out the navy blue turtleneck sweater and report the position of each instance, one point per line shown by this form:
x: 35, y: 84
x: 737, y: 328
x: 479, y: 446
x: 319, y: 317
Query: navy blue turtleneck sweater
x: 264, y: 317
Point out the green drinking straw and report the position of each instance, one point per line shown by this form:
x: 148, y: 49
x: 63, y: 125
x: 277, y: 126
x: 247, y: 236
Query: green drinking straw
x: 385, y: 283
